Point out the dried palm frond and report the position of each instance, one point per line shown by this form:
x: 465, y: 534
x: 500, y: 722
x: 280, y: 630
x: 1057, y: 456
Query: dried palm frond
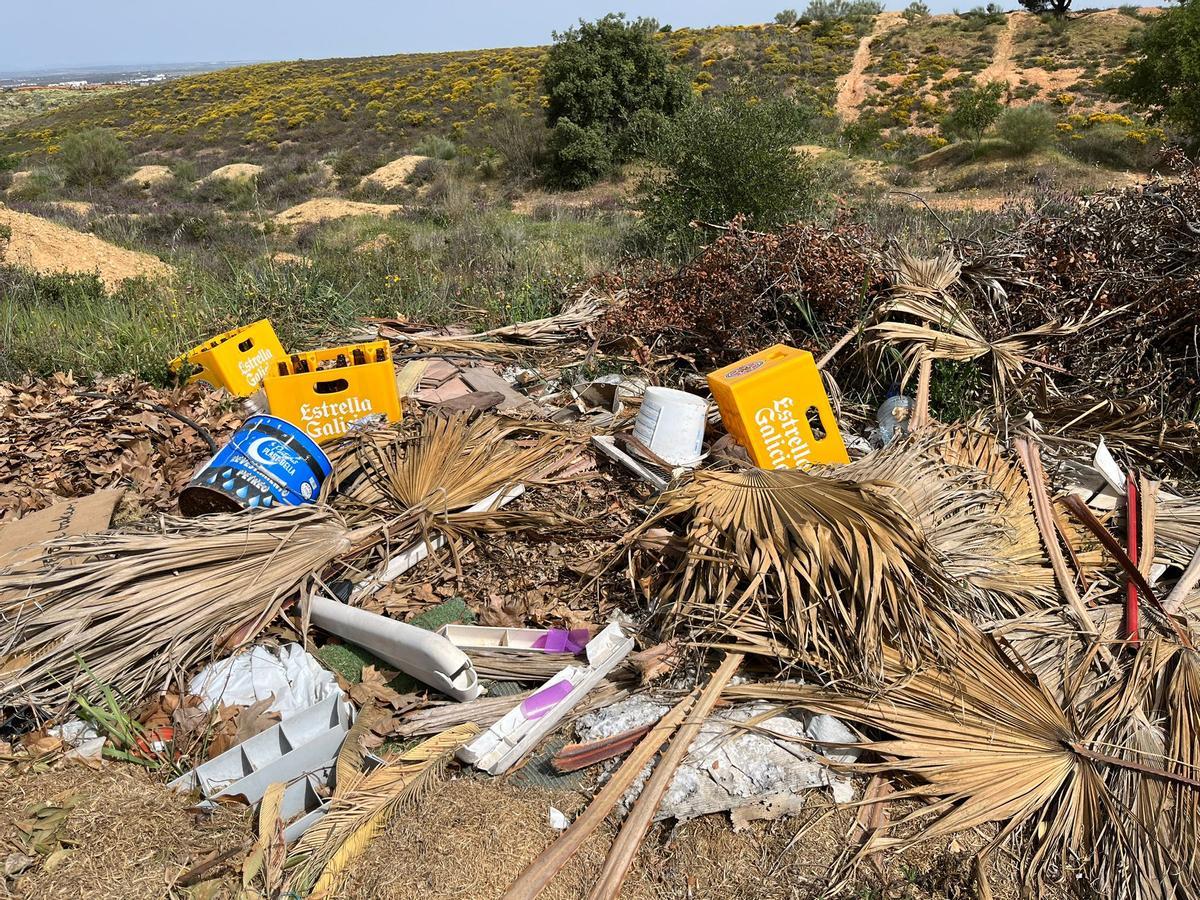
x: 1135, y: 427
x: 138, y: 608
x: 448, y: 465
x: 364, y: 803
x: 986, y: 743
x: 942, y: 328
x: 972, y: 506
x: 576, y: 315
x: 427, y: 482
x: 822, y: 570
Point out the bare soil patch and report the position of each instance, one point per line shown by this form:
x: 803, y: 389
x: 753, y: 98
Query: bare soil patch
x: 150, y: 176
x: 235, y: 172
x: 324, y: 209
x: 395, y: 174
x: 47, y: 247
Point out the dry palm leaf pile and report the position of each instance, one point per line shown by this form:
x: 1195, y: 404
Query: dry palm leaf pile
x: 916, y: 584
x: 431, y: 479
x: 141, y: 608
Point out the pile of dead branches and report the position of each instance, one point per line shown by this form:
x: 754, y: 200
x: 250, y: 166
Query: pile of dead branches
x: 803, y: 285
x: 1132, y: 256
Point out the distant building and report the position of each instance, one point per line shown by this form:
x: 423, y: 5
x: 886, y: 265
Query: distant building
x: 70, y: 84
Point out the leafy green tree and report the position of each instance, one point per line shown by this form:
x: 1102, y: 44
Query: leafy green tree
x: 1165, y: 78
x: 94, y: 156
x: 916, y: 10
x: 974, y: 110
x: 788, y: 17
x: 601, y: 78
x: 732, y: 156
x: 1057, y: 7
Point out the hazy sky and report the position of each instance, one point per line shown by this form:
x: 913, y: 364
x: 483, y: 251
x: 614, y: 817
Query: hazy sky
x: 38, y: 34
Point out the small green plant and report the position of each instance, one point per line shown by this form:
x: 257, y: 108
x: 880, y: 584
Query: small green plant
x: 436, y: 147
x: 973, y: 111
x: 1027, y: 128
x: 9, y: 162
x: 731, y: 157
x: 125, y: 737
x: 92, y: 157
x: 916, y: 10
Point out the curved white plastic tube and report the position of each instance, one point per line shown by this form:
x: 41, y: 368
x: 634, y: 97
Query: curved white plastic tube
x: 426, y: 656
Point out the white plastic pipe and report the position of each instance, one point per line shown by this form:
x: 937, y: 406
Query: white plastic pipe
x: 426, y: 656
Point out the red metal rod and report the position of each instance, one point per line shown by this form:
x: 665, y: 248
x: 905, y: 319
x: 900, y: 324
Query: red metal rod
x: 1130, y: 626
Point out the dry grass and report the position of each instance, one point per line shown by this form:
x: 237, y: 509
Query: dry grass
x: 473, y: 837
x: 132, y: 835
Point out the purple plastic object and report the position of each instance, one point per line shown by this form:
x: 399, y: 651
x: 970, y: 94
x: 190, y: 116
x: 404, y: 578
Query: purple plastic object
x: 537, y: 705
x: 559, y: 640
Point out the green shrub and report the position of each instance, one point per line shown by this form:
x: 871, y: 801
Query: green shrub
x: 862, y: 135
x: 837, y: 10
x: 1027, y: 128
x: 1166, y: 53
x: 436, y: 147
x: 9, y: 162
x: 94, y: 156
x: 729, y: 157
x: 1108, y: 144
x: 520, y: 139
x: 973, y: 111
x: 916, y: 10
x: 599, y: 76
x: 581, y: 155
x: 787, y: 17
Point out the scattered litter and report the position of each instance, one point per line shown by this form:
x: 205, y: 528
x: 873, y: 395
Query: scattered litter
x: 670, y: 424
x: 268, y: 462
x: 299, y: 752
x: 558, y: 820
x: 21, y: 539
x: 237, y: 360
x: 507, y: 741
x: 292, y: 680
x: 426, y: 656
x: 775, y: 405
x: 549, y: 640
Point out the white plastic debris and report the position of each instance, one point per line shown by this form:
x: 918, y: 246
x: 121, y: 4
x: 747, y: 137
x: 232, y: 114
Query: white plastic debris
x: 559, y: 820
x: 84, y: 740
x: 729, y: 768
x: 509, y: 739
x: 294, y: 679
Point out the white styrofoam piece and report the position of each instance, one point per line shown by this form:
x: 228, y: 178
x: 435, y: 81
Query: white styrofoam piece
x: 425, y: 655
x: 402, y: 562
x: 507, y: 741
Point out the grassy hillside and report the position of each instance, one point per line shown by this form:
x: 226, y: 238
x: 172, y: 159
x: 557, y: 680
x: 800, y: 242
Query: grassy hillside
x: 18, y: 105
x: 395, y: 100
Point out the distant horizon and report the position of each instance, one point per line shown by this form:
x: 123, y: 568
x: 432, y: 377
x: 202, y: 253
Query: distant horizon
x: 290, y: 30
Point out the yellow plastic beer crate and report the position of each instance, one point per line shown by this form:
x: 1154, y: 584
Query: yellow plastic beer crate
x: 775, y: 406
x: 324, y: 392
x: 237, y: 360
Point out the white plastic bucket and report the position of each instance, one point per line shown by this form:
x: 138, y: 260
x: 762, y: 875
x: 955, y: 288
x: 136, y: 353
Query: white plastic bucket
x: 671, y: 424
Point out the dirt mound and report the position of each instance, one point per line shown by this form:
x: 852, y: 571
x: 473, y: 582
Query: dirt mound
x: 77, y: 207
x: 395, y: 173
x: 235, y: 172
x: 47, y: 247
x: 377, y: 244
x: 323, y: 209
x: 149, y: 176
